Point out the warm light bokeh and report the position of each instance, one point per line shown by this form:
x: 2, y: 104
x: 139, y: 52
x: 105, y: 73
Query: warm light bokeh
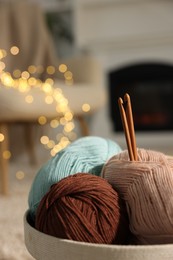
x: 24, y: 81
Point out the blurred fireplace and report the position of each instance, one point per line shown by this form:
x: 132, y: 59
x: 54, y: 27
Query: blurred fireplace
x: 125, y: 33
x: 150, y: 86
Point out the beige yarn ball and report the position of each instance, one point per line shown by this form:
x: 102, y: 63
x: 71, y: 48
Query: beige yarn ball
x: 146, y: 186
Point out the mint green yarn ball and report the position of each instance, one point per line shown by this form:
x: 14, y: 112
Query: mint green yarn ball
x: 87, y: 155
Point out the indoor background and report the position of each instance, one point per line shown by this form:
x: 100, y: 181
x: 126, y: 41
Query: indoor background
x: 91, y: 52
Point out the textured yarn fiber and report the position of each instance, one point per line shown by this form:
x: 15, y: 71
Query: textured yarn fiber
x: 147, y: 188
x: 87, y: 154
x: 82, y: 207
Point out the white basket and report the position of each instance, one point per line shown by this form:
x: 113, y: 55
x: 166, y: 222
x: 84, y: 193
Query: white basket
x: 45, y: 247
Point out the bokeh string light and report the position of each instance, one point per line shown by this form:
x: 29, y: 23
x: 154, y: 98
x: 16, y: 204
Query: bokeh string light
x: 24, y: 81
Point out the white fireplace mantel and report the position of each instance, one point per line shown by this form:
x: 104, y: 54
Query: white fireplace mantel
x: 126, y: 31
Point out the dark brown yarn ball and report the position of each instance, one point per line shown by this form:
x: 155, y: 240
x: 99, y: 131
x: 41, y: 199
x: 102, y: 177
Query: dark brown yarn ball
x: 82, y: 207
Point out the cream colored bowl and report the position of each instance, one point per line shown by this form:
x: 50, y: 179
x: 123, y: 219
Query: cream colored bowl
x: 45, y: 247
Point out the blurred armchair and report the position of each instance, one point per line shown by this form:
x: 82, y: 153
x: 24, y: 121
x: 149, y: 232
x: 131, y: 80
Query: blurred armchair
x: 22, y: 24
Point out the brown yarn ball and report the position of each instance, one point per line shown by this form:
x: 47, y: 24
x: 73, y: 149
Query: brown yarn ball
x: 82, y: 207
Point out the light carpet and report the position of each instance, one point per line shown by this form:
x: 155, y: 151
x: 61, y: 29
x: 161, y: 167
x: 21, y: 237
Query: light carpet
x: 12, y: 209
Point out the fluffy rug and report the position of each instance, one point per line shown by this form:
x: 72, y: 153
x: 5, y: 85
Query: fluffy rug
x: 12, y: 209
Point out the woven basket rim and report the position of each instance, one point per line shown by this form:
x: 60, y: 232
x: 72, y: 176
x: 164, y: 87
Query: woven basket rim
x: 36, y: 243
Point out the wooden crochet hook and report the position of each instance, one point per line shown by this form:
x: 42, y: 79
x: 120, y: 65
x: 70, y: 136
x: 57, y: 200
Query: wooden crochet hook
x: 128, y: 126
x: 130, y: 120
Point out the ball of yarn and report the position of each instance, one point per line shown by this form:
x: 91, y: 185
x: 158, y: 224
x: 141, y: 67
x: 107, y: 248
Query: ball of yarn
x: 87, y: 154
x: 146, y: 186
x: 82, y: 207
